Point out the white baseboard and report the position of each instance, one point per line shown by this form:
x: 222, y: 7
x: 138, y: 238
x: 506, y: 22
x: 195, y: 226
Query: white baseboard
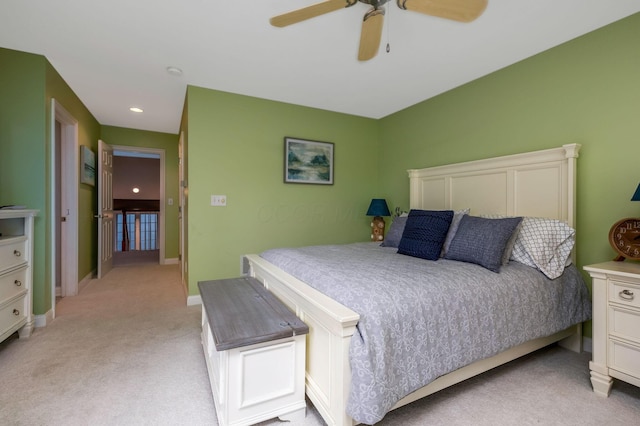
x: 194, y: 300
x: 43, y: 320
x: 172, y: 261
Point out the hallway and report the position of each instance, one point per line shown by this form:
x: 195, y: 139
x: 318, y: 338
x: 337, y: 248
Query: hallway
x: 126, y: 351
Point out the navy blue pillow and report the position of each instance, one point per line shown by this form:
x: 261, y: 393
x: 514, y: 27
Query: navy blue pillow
x: 482, y: 241
x: 424, y: 233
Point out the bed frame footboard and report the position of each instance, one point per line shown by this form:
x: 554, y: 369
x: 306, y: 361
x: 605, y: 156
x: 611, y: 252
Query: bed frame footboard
x: 331, y: 325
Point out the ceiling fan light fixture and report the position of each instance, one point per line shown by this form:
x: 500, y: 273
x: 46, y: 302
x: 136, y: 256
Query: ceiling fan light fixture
x: 370, y: 35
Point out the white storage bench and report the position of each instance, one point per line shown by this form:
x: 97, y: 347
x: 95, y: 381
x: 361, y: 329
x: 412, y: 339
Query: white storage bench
x: 254, y: 347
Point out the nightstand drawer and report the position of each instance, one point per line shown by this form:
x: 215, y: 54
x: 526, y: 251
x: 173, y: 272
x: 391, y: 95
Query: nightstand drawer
x: 624, y: 357
x: 623, y: 323
x: 616, y: 324
x: 624, y: 293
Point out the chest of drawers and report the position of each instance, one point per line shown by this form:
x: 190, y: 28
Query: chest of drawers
x: 616, y: 324
x: 16, y: 260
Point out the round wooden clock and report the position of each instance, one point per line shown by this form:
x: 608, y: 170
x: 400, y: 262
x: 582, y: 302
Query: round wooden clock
x: 624, y: 237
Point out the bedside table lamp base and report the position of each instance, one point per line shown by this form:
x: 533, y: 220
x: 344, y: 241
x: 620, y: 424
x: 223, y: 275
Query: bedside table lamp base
x: 377, y: 229
x: 378, y: 208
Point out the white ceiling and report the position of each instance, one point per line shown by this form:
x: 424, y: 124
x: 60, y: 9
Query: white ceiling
x: 114, y: 53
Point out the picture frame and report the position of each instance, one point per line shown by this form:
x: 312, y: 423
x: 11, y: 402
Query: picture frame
x: 307, y: 161
x: 87, y: 166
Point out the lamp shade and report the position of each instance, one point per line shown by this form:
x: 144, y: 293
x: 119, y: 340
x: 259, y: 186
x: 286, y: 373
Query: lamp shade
x: 636, y: 195
x: 378, y: 207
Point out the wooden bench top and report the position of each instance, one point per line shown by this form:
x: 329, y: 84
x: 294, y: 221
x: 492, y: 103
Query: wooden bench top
x: 242, y: 312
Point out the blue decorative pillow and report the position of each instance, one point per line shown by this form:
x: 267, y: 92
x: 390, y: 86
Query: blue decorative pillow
x: 482, y: 241
x: 393, y: 237
x: 424, y: 233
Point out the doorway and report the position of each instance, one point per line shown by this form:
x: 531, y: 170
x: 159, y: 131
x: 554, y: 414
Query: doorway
x: 139, y: 193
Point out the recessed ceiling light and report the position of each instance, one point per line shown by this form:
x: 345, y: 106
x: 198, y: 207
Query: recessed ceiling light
x: 136, y: 190
x: 174, y: 71
x: 135, y: 109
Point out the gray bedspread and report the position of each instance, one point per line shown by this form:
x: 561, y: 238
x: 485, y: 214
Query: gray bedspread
x: 420, y: 319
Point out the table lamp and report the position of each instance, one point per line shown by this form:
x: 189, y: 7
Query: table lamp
x: 636, y: 195
x: 378, y: 208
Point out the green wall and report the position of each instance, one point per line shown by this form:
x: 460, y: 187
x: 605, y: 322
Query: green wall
x: 585, y: 91
x: 169, y: 142
x: 235, y: 148
x: 23, y: 164
x: 27, y: 84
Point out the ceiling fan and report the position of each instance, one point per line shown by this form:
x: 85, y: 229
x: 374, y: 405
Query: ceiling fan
x: 457, y: 10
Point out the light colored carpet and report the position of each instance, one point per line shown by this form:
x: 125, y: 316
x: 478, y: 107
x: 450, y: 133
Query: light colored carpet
x: 127, y: 351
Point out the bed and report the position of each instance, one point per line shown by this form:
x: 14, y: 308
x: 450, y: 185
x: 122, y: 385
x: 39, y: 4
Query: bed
x: 537, y: 184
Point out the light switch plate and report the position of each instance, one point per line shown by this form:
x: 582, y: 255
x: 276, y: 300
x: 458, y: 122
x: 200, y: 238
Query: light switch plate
x: 218, y: 200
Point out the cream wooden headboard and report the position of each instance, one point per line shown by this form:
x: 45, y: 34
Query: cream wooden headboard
x: 539, y: 184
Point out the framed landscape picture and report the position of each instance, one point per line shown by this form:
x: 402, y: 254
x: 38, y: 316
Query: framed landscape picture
x: 87, y: 166
x: 308, y: 161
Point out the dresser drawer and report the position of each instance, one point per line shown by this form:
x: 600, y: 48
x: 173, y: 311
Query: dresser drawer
x: 624, y: 357
x: 624, y: 323
x: 12, y: 314
x: 12, y: 284
x: 12, y: 252
x: 624, y: 293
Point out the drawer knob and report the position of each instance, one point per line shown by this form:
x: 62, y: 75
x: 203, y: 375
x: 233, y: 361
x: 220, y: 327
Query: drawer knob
x: 18, y: 283
x: 626, y: 295
x: 17, y: 253
x: 16, y: 312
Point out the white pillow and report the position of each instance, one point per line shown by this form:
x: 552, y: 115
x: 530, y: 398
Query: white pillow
x: 544, y: 244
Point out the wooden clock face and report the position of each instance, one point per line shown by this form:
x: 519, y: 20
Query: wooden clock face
x: 624, y: 237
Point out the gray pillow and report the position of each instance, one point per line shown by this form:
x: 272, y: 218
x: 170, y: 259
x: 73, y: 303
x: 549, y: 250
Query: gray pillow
x: 482, y: 241
x: 453, y: 228
x: 393, y: 237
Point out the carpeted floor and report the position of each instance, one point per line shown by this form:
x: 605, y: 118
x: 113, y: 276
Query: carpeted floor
x: 127, y: 351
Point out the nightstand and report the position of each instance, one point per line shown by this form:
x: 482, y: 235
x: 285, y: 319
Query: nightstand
x: 616, y: 324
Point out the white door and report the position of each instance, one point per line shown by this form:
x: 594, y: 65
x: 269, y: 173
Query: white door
x: 105, y: 209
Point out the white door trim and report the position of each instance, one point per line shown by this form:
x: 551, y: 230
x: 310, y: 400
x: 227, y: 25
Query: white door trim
x: 69, y: 178
x: 181, y: 227
x: 161, y: 219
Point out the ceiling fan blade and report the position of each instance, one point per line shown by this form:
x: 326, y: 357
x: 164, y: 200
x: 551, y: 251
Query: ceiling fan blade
x: 370, y: 34
x: 457, y: 10
x: 310, y: 12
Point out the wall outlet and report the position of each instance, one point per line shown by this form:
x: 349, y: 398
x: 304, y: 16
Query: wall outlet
x: 218, y: 200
